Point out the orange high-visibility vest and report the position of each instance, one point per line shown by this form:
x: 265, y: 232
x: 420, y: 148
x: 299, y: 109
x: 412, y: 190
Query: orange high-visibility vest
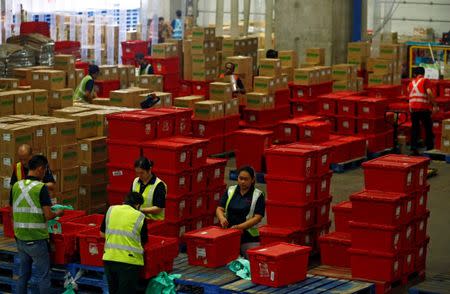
x: 418, y: 98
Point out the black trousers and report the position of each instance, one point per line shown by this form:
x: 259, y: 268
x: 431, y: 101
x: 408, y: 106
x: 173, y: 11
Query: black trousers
x: 122, y: 278
x: 424, y: 118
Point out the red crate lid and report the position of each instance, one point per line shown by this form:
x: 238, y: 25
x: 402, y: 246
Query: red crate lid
x: 318, y: 148
x: 385, y: 164
x: 129, y: 116
x: 189, y: 140
x: 173, y: 109
x: 369, y: 226
x: 122, y: 142
x: 152, y: 113
x: 330, y: 96
x: 212, y: 233
x: 372, y: 195
x: 374, y: 100
x: 371, y: 253
x: 280, y: 250
x: 216, y: 162
x: 254, y: 132
x: 91, y: 233
x: 290, y: 179
x: 352, y: 98
x: 405, y: 158
x: 343, y: 206
x: 286, y: 204
x: 323, y: 201
x: 290, y: 151
x: 337, y: 237
x: 165, y: 144
x: 277, y: 231
x: 316, y: 123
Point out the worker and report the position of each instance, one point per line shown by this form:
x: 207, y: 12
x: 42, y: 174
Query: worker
x: 270, y: 54
x: 421, y: 105
x: 177, y: 26
x: 164, y: 30
x: 151, y: 188
x: 31, y: 209
x: 242, y: 207
x: 145, y: 68
x: 125, y: 233
x: 229, y: 76
x: 25, y: 153
x: 85, y: 93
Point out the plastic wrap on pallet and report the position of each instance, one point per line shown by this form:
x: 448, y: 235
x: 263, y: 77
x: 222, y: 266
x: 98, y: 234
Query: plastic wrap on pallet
x: 13, y: 56
x: 41, y: 46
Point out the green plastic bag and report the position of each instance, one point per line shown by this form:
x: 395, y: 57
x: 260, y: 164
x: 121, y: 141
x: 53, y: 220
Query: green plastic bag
x: 162, y: 283
x: 53, y: 225
x: 241, y: 267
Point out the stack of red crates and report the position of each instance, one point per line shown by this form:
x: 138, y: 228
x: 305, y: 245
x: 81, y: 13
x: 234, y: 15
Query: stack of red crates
x: 298, y: 188
x: 307, y: 128
x: 250, y: 146
x: 304, y: 98
x: 68, y: 47
x: 169, y: 68
x: 131, y: 48
x: 442, y: 113
x: 389, y: 219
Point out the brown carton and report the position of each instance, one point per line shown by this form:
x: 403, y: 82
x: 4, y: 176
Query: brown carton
x: 344, y: 85
x: 315, y: 56
x: 289, y: 72
x: 306, y: 76
x: 93, y: 150
x: 7, y: 164
x: 232, y: 107
x: 24, y: 74
x: 187, y: 101
x: 380, y: 66
x: 204, y: 75
x: 71, y: 81
x: 359, y: 61
x: 4, y: 190
x: 288, y: 58
x: 8, y: 84
x: 39, y: 130
x: 102, y: 124
x: 389, y: 51
x: 256, y: 101
x: 220, y: 91
x: 203, y: 47
x: 209, y: 110
x: 40, y: 101
x: 64, y: 62
x: 92, y: 195
x: 203, y: 33
x: 376, y: 79
x: 108, y: 72
x: 265, y: 85
x: 164, y: 50
x: 68, y: 198
x: 66, y: 130
x: 342, y: 72
x: 187, y: 60
x: 6, y: 103
x: 86, y: 124
x: 445, y: 143
x: 93, y: 173
x: 60, y: 98
x: 242, y: 64
x: 269, y: 67
x: 53, y: 155
x: 127, y: 97
x: 151, y: 82
x: 23, y: 102
x: 358, y: 49
x: 69, y: 155
x: 165, y: 99
x: 49, y: 79
x: 204, y: 61
x: 131, y: 74
x: 70, y: 178
x: 446, y: 127
x: 68, y: 111
x: 12, y: 136
x: 325, y: 74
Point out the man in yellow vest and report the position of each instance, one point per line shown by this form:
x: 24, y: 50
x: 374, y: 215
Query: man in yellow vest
x: 125, y: 235
x: 24, y: 153
x: 31, y: 208
x: 85, y: 93
x: 152, y: 188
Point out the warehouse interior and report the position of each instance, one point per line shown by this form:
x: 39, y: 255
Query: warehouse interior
x: 226, y: 146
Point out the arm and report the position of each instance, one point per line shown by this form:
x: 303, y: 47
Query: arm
x: 144, y: 233
x: 90, y: 93
x: 220, y: 211
x: 49, y: 180
x: 256, y: 219
x: 46, y: 203
x: 159, y: 201
x: 49, y: 214
x: 103, y: 227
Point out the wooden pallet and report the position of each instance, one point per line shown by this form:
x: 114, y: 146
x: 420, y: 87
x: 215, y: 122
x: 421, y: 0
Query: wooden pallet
x: 438, y: 284
x: 437, y: 155
x: 348, y: 165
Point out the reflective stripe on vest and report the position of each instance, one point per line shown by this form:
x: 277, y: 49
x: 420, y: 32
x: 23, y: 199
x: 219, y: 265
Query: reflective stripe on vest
x: 25, y: 195
x: 144, y: 71
x: 256, y: 194
x: 148, y: 194
x: 80, y: 92
x: 418, y: 99
x: 19, y: 171
x: 122, y: 235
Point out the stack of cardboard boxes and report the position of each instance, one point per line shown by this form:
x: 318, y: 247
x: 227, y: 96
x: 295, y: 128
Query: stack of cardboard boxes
x: 289, y: 60
x: 345, y: 78
x: 357, y: 54
x: 200, y: 55
x: 387, y: 68
x: 445, y: 137
x: 312, y: 75
x: 242, y: 46
x: 314, y: 57
x: 243, y: 67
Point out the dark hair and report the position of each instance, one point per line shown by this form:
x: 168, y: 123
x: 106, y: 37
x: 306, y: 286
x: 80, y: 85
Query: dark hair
x: 93, y: 69
x: 144, y: 163
x: 419, y: 71
x: 161, y: 18
x: 272, y: 54
x: 248, y: 169
x: 178, y: 13
x: 139, y: 56
x: 37, y: 161
x: 134, y: 198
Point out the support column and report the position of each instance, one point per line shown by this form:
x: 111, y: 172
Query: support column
x: 247, y: 6
x: 219, y: 17
x: 234, y: 18
x: 269, y: 22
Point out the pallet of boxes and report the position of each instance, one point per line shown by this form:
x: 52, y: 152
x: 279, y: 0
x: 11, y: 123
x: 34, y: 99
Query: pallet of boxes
x: 386, y: 69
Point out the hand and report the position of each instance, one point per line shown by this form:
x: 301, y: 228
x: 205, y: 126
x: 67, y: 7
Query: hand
x: 223, y: 222
x: 59, y: 213
x: 236, y: 227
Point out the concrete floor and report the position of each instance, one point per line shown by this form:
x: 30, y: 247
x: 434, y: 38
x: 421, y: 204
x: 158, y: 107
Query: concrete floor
x: 438, y: 260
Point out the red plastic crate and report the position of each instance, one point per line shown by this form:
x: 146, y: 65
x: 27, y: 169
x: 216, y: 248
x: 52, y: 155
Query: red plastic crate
x: 103, y: 88
x: 288, y: 214
x: 421, y: 227
x: 198, y: 149
x: 185, y: 88
x: 289, y: 189
x: 408, y: 263
x: 271, y: 234
x: 419, y: 165
x: 340, y: 150
x: 231, y: 123
x: 389, y: 91
x: 208, y: 129
x: 165, y: 66
x: 229, y: 142
x: 311, y: 91
x: 278, y: 264
x: 178, y: 183
x: 376, y: 142
x: 214, y: 198
x: 70, y: 215
x: 375, y: 266
x: 177, y: 208
x: 200, y: 88
x: 63, y: 246
x: 444, y: 88
x: 282, y: 97
x: 315, y: 132
x: 284, y: 161
x: 159, y: 253
x: 323, y: 156
x: 347, y: 106
x: 323, y: 186
x: 120, y: 177
x: 342, y: 215
x: 333, y: 249
x: 199, y: 204
x: 92, y: 220
x: 131, y: 126
x: 215, y: 172
x: 166, y: 153
x: 304, y: 107
x: 357, y: 145
x: 319, y: 231
x: 165, y: 126
x: 377, y: 207
x: 345, y: 125
x: 7, y: 220
x: 31, y: 27
x: 323, y: 211
x: 199, y: 180
x: 374, y: 237
x: 131, y: 48
x: 328, y: 104
x: 91, y: 247
x: 421, y: 200
x: 252, y: 152
x: 120, y: 151
x: 177, y: 229
x: 117, y: 196
x: 388, y: 176
x: 372, y: 125
x: 171, y: 83
x: 421, y: 252
x: 129, y: 61
x: 216, y: 145
x: 372, y: 107
x: 202, y: 221
x: 212, y: 247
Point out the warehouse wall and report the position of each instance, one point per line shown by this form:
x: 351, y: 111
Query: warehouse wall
x: 301, y: 24
x: 419, y: 10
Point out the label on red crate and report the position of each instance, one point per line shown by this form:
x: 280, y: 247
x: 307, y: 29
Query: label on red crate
x: 200, y: 252
x: 181, y: 181
x: 263, y: 269
x: 421, y: 199
x: 252, y: 118
x: 217, y: 173
x: 308, y: 189
x: 201, y: 129
x: 421, y: 176
x: 199, y: 177
x: 409, y: 259
x: 324, y: 159
x: 200, y: 153
x: 93, y: 249
x: 365, y: 126
x: 308, y: 133
x: 182, y: 231
x: 308, y: 215
x: 287, y: 131
x: 217, y: 196
x: 199, y: 202
x: 396, y: 239
x: 183, y: 157
x: 300, y: 93
x: 308, y: 163
x: 409, y: 179
x: 300, y: 108
x: 323, y: 210
x: 326, y: 106
x: 408, y: 232
x: 409, y: 206
x: 182, y: 205
x: 395, y: 266
x: 117, y: 173
x: 148, y: 129
x: 324, y: 185
x: 346, y: 124
x: 397, y: 212
x: 421, y: 251
x: 421, y: 225
x: 345, y: 109
x: 366, y: 109
x: 199, y: 225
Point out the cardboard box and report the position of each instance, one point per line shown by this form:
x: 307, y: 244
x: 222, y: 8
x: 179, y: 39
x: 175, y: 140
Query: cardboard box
x: 358, y: 61
x: 93, y: 150
x: 7, y: 164
x: 60, y: 98
x: 265, y: 85
x: 91, y: 195
x: 243, y: 65
x: 220, y: 91
x: 164, y: 50
x: 269, y: 67
x: 344, y: 85
x: 187, y: 60
x: 39, y: 131
x: 315, y: 56
x: 208, y: 110
x: 66, y: 129
x: 64, y: 62
x: 86, y: 124
x: 67, y: 198
x: 71, y: 80
x: 70, y: 178
x: 165, y: 99
x: 108, y: 73
x: 102, y: 123
x: 8, y: 84
x: 151, y: 82
x: 68, y: 111
x: 204, y: 75
x: 288, y: 58
x: 341, y: 72
x: 306, y: 76
x: 24, y: 74
x: 49, y: 79
x: 4, y: 190
x: 131, y: 74
x: 40, y: 101
x: 203, y: 33
x: 23, y: 102
x: 283, y: 82
x: 93, y: 173
x: 446, y: 127
x: 6, y: 103
x: 69, y: 155
x: 358, y: 49
x: 389, y: 51
x: 204, y: 61
x: 445, y: 143
x: 256, y: 100
x: 289, y: 72
x: 232, y: 107
x: 127, y: 97
x: 187, y: 101
x: 376, y: 79
x: 325, y: 74
x: 12, y: 136
x: 380, y: 66
x: 53, y: 155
